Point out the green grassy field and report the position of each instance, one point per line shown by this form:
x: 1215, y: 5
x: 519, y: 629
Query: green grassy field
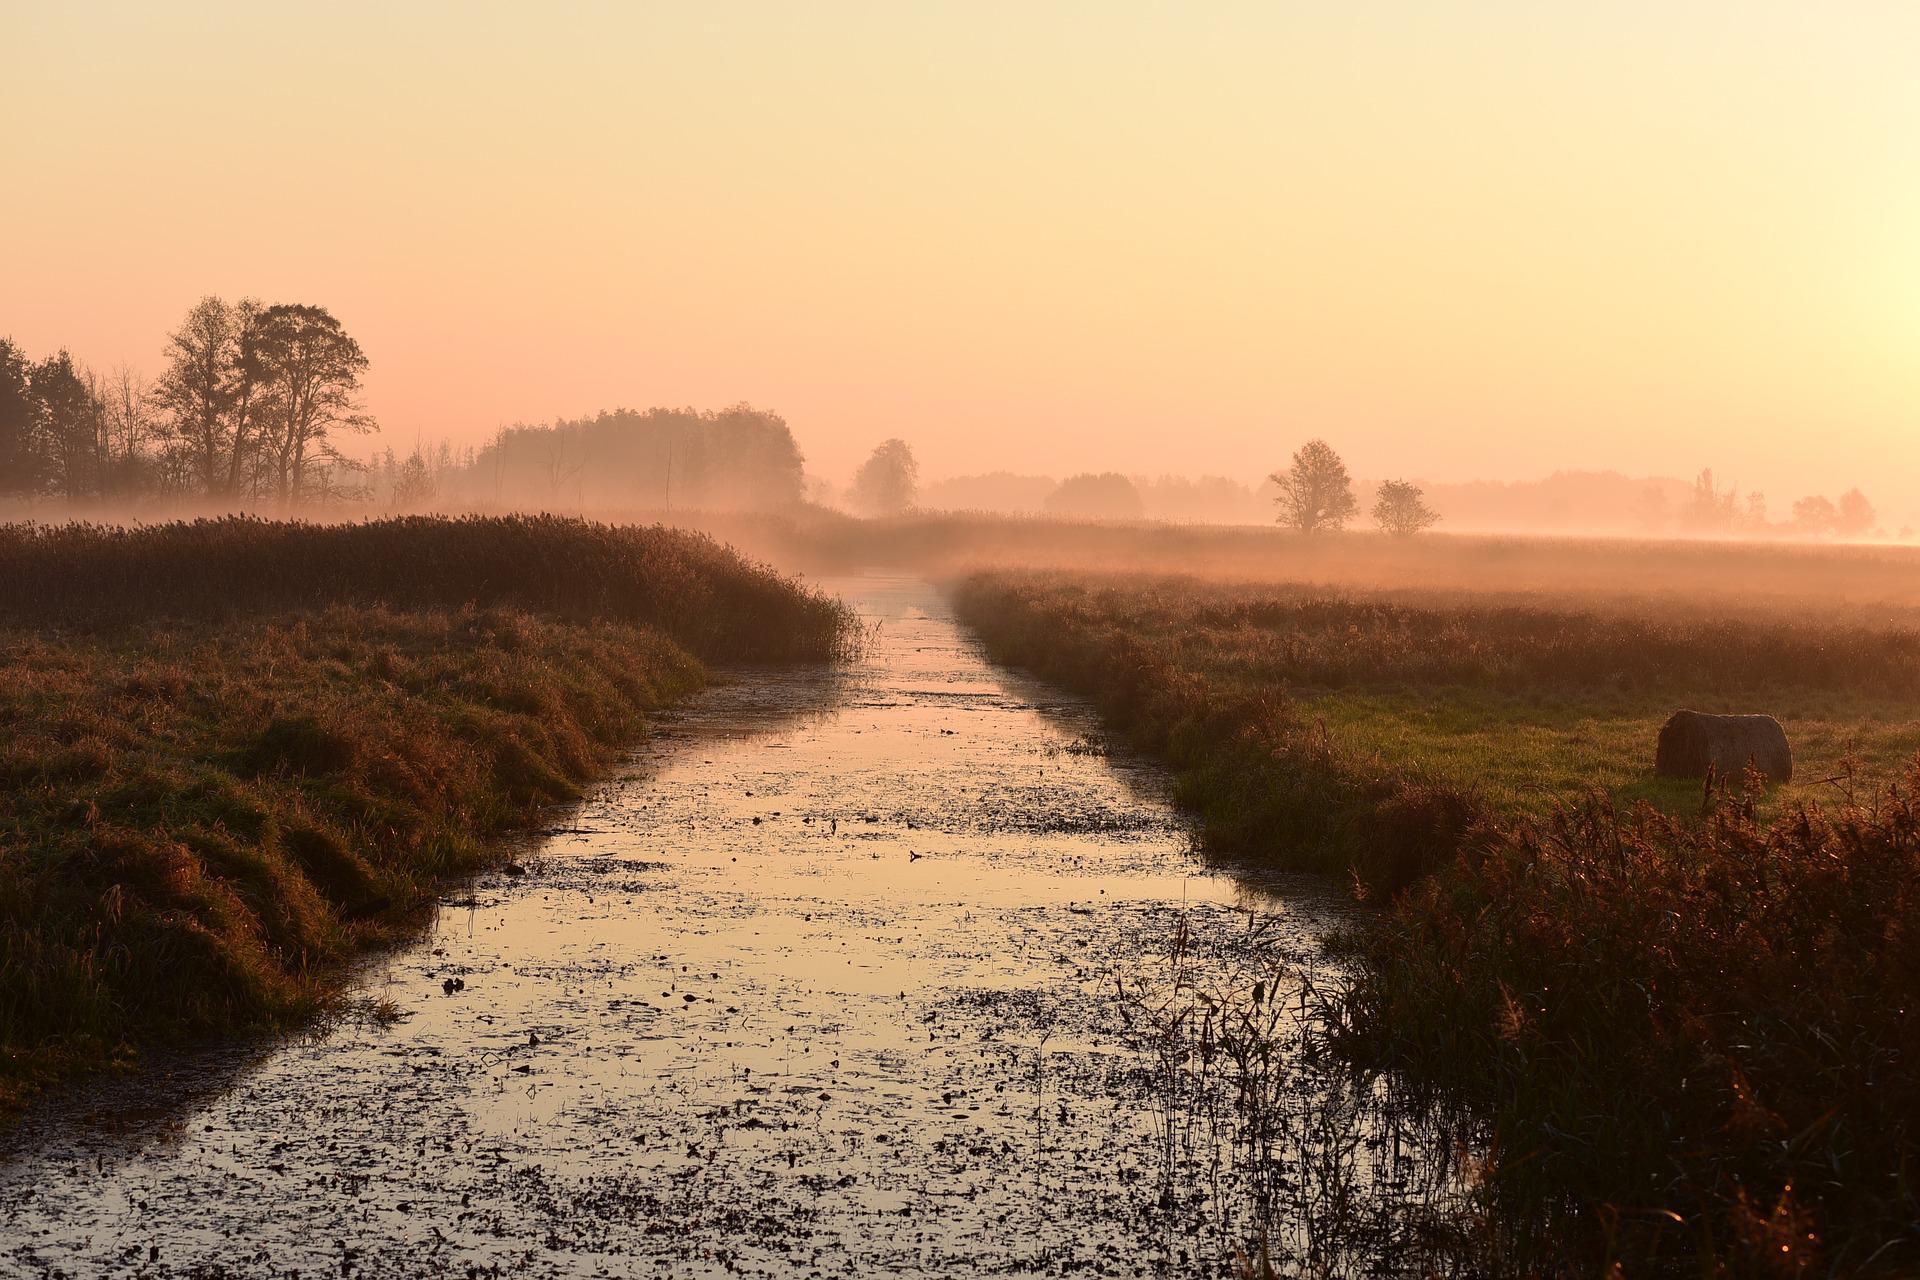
x: 1524, y: 753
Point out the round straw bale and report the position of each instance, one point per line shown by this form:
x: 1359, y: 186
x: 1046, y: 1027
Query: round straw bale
x: 1691, y: 742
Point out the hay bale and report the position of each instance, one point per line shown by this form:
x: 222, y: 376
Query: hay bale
x: 1692, y: 742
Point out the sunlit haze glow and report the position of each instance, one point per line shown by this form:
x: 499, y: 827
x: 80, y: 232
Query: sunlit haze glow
x: 1460, y: 241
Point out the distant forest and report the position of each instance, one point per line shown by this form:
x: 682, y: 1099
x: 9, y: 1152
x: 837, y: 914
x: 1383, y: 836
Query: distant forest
x: 739, y: 457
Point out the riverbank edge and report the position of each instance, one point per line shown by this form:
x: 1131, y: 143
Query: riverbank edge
x: 296, y: 793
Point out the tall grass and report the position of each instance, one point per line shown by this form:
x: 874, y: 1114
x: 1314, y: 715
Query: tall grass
x: 1703, y: 1033
x: 237, y: 751
x: 683, y: 583
x: 1693, y: 1037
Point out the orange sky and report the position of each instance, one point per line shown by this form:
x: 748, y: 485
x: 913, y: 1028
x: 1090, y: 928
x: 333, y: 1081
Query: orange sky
x: 1466, y: 240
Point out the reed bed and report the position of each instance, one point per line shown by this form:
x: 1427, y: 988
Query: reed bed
x: 1690, y: 1034
x: 683, y: 583
x: 210, y: 798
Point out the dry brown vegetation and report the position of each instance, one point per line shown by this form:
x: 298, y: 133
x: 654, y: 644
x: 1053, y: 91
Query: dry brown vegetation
x: 237, y: 751
x: 1691, y: 1033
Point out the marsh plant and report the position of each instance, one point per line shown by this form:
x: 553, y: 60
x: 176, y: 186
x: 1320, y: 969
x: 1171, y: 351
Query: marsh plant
x: 1275, y: 1158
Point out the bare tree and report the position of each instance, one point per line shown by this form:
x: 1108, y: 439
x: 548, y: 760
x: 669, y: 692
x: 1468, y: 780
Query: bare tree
x: 196, y: 391
x: 1399, y: 508
x: 415, y: 485
x: 1315, y: 491
x: 131, y: 426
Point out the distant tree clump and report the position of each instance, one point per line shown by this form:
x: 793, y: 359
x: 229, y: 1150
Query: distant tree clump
x: 1399, y: 508
x: 1815, y: 515
x: 248, y: 406
x: 1106, y: 496
x: 1315, y: 491
x: 1854, y: 516
x: 738, y: 458
x: 888, y: 481
x: 1709, y: 509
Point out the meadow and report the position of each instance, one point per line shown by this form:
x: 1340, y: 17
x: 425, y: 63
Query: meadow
x: 240, y: 751
x: 1686, y: 1022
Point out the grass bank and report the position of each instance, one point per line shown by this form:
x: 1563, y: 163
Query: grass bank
x: 239, y: 751
x: 1693, y: 1033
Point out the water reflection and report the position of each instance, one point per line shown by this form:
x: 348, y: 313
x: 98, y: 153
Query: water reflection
x: 882, y: 969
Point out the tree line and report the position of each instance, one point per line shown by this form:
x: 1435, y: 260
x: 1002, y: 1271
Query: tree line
x: 249, y: 406
x: 1710, y: 509
x: 1315, y: 494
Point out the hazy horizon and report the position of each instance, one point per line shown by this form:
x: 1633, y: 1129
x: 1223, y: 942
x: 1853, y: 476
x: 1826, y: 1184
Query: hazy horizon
x: 1486, y: 245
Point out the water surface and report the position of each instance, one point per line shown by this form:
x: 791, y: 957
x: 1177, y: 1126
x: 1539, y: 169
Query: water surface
x: 844, y: 973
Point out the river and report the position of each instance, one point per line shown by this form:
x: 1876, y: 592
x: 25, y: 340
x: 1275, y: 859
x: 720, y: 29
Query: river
x: 887, y: 969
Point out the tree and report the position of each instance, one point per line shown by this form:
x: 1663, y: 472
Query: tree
x: 1854, y: 516
x: 197, y: 391
x: 1815, y: 515
x: 1107, y: 496
x: 71, y: 426
x: 1315, y: 491
x: 414, y: 483
x: 886, y: 483
x: 1399, y: 509
x: 22, y: 462
x: 130, y: 429
x: 1709, y: 509
x: 309, y: 368
x: 249, y: 398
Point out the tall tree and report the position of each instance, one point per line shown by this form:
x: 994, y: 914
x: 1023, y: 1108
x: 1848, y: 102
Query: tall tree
x: 311, y: 368
x: 249, y: 399
x: 1399, y: 508
x: 196, y: 391
x: 71, y: 425
x: 1315, y: 491
x: 22, y: 461
x: 888, y: 481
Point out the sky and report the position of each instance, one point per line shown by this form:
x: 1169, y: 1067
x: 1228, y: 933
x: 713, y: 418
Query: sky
x: 1488, y: 240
